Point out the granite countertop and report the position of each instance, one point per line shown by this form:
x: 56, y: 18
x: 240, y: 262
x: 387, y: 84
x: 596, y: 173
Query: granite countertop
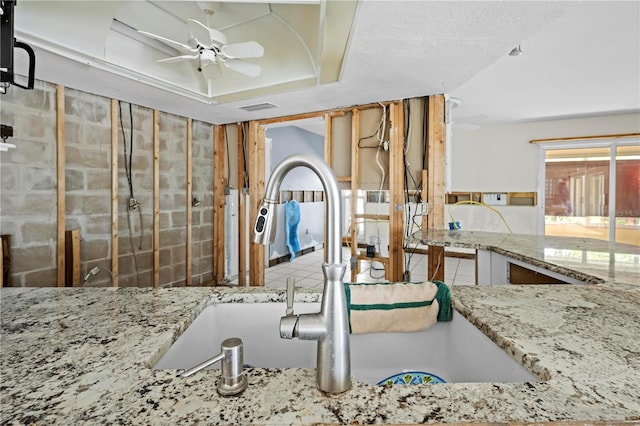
x: 589, y: 260
x: 84, y: 356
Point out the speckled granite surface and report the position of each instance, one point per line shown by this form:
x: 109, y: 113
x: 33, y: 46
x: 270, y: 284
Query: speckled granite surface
x: 589, y: 260
x: 83, y: 356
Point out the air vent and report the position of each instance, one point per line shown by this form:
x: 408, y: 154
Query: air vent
x: 258, y: 107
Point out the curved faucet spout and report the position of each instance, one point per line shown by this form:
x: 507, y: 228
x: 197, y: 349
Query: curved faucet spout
x: 330, y: 326
x: 263, y: 231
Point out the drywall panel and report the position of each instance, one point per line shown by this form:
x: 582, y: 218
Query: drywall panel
x: 500, y: 158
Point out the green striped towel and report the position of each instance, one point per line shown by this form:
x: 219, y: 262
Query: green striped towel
x: 396, y: 307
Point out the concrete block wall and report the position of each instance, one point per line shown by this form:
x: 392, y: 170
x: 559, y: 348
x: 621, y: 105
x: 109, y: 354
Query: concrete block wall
x: 28, y: 189
x: 173, y: 199
x: 202, y: 215
x: 28, y: 184
x: 135, y: 226
x: 88, y: 179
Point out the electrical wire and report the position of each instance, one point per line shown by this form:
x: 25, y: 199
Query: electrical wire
x: 226, y: 140
x: 128, y: 158
x: 245, y: 173
x: 478, y: 204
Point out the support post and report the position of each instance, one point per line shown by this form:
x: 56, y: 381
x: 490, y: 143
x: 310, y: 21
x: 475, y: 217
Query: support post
x: 219, y: 202
x: 436, y: 174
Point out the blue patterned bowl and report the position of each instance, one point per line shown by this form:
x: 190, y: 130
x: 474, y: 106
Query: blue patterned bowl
x: 411, y: 378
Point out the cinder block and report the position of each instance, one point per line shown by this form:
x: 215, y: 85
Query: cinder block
x: 9, y: 177
x: 178, y: 254
x: 94, y: 249
x: 73, y: 180
x: 172, y: 237
x: 34, y: 233
x: 178, y: 218
x: 99, y: 225
x: 24, y: 259
x: 99, y: 180
x: 84, y: 157
x: 41, y: 278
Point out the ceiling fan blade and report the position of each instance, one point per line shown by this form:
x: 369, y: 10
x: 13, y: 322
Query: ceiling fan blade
x: 179, y: 58
x: 246, y: 68
x: 200, y: 33
x: 247, y: 49
x: 180, y: 46
x: 211, y: 70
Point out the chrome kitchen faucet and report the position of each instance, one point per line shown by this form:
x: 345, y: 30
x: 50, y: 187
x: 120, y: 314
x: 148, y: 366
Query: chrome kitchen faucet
x: 330, y: 326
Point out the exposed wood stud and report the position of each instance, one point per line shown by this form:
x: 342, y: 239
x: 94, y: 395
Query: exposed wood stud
x: 72, y: 258
x: 355, y: 173
x: 424, y: 196
x: 5, y: 260
x: 189, y: 253
x: 114, y: 191
x: 256, y: 184
x: 584, y: 138
x: 396, y: 193
x: 60, y: 184
x: 436, y: 173
x: 304, y: 116
x: 242, y: 207
x: 156, y: 198
x: 328, y: 139
x: 219, y: 202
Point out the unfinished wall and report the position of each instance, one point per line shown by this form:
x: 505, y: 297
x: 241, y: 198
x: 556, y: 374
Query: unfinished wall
x: 87, y: 123
x: 28, y: 196
x: 28, y: 186
x: 135, y: 224
x: 500, y: 158
x: 202, y: 213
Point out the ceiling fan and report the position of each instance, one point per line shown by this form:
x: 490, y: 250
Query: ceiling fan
x: 209, y: 48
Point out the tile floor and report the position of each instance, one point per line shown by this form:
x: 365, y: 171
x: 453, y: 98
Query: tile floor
x: 307, y: 271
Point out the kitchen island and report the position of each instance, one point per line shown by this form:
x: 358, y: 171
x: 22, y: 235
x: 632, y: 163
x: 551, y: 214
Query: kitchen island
x: 84, y: 356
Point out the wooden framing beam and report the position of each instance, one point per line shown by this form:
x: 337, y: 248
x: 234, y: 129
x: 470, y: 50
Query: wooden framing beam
x: 242, y: 210
x: 355, y: 178
x: 114, y: 191
x: 188, y: 206
x: 60, y: 185
x: 584, y: 138
x: 328, y: 139
x: 424, y: 196
x: 72, y: 258
x: 256, y: 191
x: 435, y: 174
x: 156, y: 198
x: 304, y: 116
x: 5, y: 260
x: 396, y: 193
x: 219, y: 202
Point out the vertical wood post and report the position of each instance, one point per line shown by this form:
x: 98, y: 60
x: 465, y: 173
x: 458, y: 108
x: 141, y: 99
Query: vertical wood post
x: 242, y: 208
x: 256, y: 191
x: 328, y: 139
x: 355, y: 180
x: 61, y: 185
x: 189, y: 251
x: 72, y: 258
x: 436, y: 173
x: 424, y: 196
x: 5, y: 260
x: 396, y: 193
x: 114, y: 191
x: 156, y: 198
x: 219, y: 202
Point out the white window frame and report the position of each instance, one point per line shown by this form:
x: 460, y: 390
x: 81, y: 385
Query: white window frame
x: 613, y: 145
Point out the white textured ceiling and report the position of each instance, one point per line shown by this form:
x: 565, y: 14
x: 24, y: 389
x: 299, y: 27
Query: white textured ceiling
x: 581, y: 58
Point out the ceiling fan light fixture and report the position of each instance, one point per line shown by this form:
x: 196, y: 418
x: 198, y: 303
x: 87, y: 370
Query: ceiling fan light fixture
x: 516, y: 51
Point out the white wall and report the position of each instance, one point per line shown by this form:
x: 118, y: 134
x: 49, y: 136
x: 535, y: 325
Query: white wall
x: 500, y: 158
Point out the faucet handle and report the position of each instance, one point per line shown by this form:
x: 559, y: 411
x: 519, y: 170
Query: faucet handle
x: 291, y: 288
